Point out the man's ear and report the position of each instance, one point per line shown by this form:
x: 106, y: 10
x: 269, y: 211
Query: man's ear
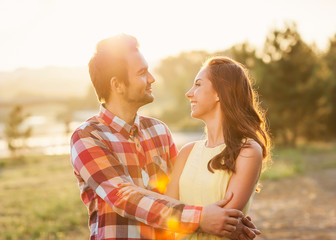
x: 116, y: 85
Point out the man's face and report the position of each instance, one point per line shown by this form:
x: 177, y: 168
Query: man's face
x: 139, y: 90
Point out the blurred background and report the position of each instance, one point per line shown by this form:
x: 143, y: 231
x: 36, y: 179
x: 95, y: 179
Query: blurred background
x: 45, y: 92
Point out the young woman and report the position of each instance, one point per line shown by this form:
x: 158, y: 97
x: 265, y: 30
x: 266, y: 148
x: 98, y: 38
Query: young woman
x: 230, y: 159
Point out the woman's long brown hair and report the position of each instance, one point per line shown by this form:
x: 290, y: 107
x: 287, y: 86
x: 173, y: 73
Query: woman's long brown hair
x: 243, y: 117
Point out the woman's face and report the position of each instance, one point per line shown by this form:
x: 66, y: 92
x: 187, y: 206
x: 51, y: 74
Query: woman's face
x: 203, y: 97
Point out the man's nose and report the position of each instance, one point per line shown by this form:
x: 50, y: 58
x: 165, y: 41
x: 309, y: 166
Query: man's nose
x: 150, y: 78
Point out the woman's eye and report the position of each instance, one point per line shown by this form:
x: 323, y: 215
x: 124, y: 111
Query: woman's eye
x: 197, y: 84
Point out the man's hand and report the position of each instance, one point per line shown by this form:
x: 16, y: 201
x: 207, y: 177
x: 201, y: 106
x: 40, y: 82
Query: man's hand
x: 219, y: 221
x: 245, y: 230
x: 250, y: 230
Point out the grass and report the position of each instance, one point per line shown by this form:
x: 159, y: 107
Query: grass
x: 288, y: 162
x: 39, y: 197
x: 40, y: 200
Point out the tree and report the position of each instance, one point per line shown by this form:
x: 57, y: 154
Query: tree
x: 292, y: 85
x: 15, y: 135
x: 246, y: 54
x: 330, y: 58
x: 177, y: 74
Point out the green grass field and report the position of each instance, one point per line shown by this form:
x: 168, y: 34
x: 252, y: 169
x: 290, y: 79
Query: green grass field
x: 40, y: 200
x: 39, y: 197
x: 288, y: 162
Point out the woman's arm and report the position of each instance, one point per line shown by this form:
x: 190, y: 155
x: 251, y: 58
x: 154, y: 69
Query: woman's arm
x: 173, y: 185
x: 243, y: 181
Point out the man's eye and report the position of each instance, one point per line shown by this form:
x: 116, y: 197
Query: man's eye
x: 197, y: 84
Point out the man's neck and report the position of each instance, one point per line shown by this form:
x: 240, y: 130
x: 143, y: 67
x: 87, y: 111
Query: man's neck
x: 123, y: 111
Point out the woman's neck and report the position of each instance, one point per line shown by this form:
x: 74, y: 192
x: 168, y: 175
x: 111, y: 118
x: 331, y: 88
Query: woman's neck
x: 214, y: 127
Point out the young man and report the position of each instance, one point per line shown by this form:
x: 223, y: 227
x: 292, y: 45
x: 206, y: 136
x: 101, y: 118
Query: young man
x: 118, y: 146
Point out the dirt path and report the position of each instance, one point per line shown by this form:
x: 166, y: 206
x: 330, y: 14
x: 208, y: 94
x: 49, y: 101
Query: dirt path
x: 301, y: 208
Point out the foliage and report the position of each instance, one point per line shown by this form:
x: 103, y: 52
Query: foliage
x: 178, y: 73
x: 330, y: 59
x: 296, y: 85
x: 15, y: 134
x: 293, y: 86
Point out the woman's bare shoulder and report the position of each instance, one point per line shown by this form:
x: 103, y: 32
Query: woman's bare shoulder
x: 186, y: 149
x: 251, y: 150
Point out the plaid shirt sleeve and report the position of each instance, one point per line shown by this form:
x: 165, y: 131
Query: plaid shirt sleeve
x: 102, y: 171
x: 173, y: 151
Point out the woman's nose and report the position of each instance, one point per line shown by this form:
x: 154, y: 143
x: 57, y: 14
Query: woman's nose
x: 189, y: 93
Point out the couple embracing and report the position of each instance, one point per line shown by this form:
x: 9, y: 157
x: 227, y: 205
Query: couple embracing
x: 132, y: 178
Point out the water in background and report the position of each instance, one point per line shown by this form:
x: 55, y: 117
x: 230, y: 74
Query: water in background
x: 51, y: 139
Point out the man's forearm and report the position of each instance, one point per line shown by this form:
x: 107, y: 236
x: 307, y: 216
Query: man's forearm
x: 126, y: 189
x: 155, y: 210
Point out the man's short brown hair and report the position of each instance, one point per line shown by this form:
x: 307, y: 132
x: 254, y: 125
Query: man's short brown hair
x: 109, y: 60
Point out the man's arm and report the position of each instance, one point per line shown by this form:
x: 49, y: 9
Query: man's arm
x: 214, y: 219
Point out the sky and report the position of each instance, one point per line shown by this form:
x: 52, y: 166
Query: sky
x: 38, y: 33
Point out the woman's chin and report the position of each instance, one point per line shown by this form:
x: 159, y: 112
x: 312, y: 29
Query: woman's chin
x: 194, y: 115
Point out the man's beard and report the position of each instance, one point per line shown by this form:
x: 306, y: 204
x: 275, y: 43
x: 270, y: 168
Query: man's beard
x: 147, y: 98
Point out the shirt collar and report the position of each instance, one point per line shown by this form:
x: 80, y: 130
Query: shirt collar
x: 119, y: 124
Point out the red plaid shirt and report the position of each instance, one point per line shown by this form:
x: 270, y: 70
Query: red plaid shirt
x: 106, y: 151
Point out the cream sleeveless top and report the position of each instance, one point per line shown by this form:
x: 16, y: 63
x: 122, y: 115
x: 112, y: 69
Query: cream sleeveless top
x: 198, y: 186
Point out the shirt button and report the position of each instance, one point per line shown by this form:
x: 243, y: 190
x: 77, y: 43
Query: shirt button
x: 137, y: 144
